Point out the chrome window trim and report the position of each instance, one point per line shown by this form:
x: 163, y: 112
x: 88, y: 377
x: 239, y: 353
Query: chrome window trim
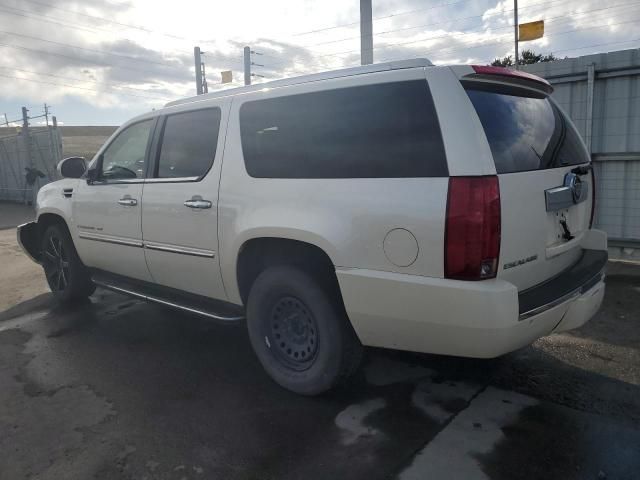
x: 116, y: 181
x: 172, y: 179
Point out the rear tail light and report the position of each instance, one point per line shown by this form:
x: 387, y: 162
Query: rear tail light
x: 472, y: 232
x: 593, y: 197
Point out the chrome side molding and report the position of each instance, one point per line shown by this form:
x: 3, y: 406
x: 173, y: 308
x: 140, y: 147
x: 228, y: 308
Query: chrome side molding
x: 162, y: 247
x: 196, y: 252
x: 99, y: 237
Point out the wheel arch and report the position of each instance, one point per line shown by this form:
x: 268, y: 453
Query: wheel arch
x: 48, y: 218
x: 30, y: 234
x: 258, y: 253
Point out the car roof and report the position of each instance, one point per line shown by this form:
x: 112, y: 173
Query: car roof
x: 343, y: 72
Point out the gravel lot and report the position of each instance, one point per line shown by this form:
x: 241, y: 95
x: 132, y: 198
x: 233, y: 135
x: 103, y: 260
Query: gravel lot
x: 119, y: 389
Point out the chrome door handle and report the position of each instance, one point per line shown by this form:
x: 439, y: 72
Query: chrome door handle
x: 128, y: 201
x: 197, y: 202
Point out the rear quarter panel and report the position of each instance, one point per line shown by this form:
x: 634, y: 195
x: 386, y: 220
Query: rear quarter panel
x: 347, y: 218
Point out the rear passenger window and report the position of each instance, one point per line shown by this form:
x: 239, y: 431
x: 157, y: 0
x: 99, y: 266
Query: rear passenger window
x: 377, y: 131
x: 188, y: 144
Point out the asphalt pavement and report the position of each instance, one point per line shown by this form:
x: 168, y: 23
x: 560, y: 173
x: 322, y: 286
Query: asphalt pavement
x: 121, y: 389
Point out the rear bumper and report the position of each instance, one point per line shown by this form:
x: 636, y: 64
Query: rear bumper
x: 570, y: 284
x: 468, y: 319
x: 28, y: 239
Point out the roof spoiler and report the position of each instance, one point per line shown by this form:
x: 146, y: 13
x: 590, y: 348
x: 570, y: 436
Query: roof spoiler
x: 507, y: 75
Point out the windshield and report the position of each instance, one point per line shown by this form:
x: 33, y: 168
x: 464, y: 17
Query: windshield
x: 526, y: 133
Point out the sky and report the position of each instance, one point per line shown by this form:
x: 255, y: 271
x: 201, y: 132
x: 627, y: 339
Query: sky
x: 101, y: 62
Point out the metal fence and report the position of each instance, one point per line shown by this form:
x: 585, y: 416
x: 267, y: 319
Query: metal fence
x: 601, y: 93
x: 37, y: 149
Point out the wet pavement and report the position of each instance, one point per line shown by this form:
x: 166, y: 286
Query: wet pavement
x: 120, y: 389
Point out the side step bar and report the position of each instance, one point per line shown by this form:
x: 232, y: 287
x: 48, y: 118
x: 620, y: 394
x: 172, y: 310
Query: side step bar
x: 187, y: 302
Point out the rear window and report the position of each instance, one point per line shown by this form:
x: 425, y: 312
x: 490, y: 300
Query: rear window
x: 374, y: 131
x: 526, y: 133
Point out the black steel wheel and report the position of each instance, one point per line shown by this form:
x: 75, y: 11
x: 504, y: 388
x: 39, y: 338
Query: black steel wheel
x: 299, y: 330
x: 68, y: 278
x: 294, y: 331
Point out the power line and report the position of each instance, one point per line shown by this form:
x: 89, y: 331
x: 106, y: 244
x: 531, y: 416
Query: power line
x: 468, y: 47
x: 76, y: 26
x: 379, y: 18
x: 75, y: 59
x: 69, y: 86
x: 553, y: 34
x: 45, y: 18
x: 76, y: 79
x: 456, y: 19
x: 107, y: 20
x: 104, y: 52
x: 389, y: 45
x: 454, y: 35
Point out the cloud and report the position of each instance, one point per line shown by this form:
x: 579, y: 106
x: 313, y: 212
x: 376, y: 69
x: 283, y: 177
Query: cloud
x: 137, y: 54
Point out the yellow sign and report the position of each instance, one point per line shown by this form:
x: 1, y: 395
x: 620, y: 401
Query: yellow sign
x: 530, y: 31
x: 227, y: 76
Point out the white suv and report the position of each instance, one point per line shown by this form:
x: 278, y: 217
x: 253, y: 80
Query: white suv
x: 435, y: 209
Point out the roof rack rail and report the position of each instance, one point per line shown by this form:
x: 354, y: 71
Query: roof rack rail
x: 343, y: 72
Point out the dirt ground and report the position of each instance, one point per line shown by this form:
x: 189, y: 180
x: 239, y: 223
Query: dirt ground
x: 20, y: 278
x: 84, y: 141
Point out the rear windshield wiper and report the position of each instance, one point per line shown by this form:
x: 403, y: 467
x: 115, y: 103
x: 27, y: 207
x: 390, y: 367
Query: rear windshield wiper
x: 582, y: 170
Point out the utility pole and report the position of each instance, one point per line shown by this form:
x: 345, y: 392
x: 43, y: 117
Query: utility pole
x: 6, y: 120
x: 366, y: 33
x: 198, y: 64
x: 25, y: 119
x: 46, y: 113
x: 247, y: 65
x: 205, y: 86
x: 515, y: 28
x: 27, y: 146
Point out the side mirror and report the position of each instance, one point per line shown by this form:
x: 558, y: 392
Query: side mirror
x: 72, y: 167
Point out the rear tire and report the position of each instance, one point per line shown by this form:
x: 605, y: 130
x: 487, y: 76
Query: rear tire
x: 300, y: 331
x: 67, y: 277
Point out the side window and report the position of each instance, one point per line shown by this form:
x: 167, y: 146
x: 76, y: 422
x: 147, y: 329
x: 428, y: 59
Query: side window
x: 388, y: 130
x: 125, y: 157
x: 189, y: 143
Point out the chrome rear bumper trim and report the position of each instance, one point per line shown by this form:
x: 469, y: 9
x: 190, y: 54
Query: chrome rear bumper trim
x: 585, y: 287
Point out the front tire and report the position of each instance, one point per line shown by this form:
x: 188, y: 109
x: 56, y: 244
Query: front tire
x: 300, y: 331
x: 67, y: 277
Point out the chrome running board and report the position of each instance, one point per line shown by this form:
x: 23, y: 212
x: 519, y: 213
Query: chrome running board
x: 186, y: 302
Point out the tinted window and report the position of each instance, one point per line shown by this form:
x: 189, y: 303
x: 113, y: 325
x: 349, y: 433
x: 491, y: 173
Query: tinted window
x: 125, y: 157
x: 386, y: 130
x: 189, y: 143
x: 526, y: 133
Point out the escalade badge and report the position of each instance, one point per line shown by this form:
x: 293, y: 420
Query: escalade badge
x: 522, y: 261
